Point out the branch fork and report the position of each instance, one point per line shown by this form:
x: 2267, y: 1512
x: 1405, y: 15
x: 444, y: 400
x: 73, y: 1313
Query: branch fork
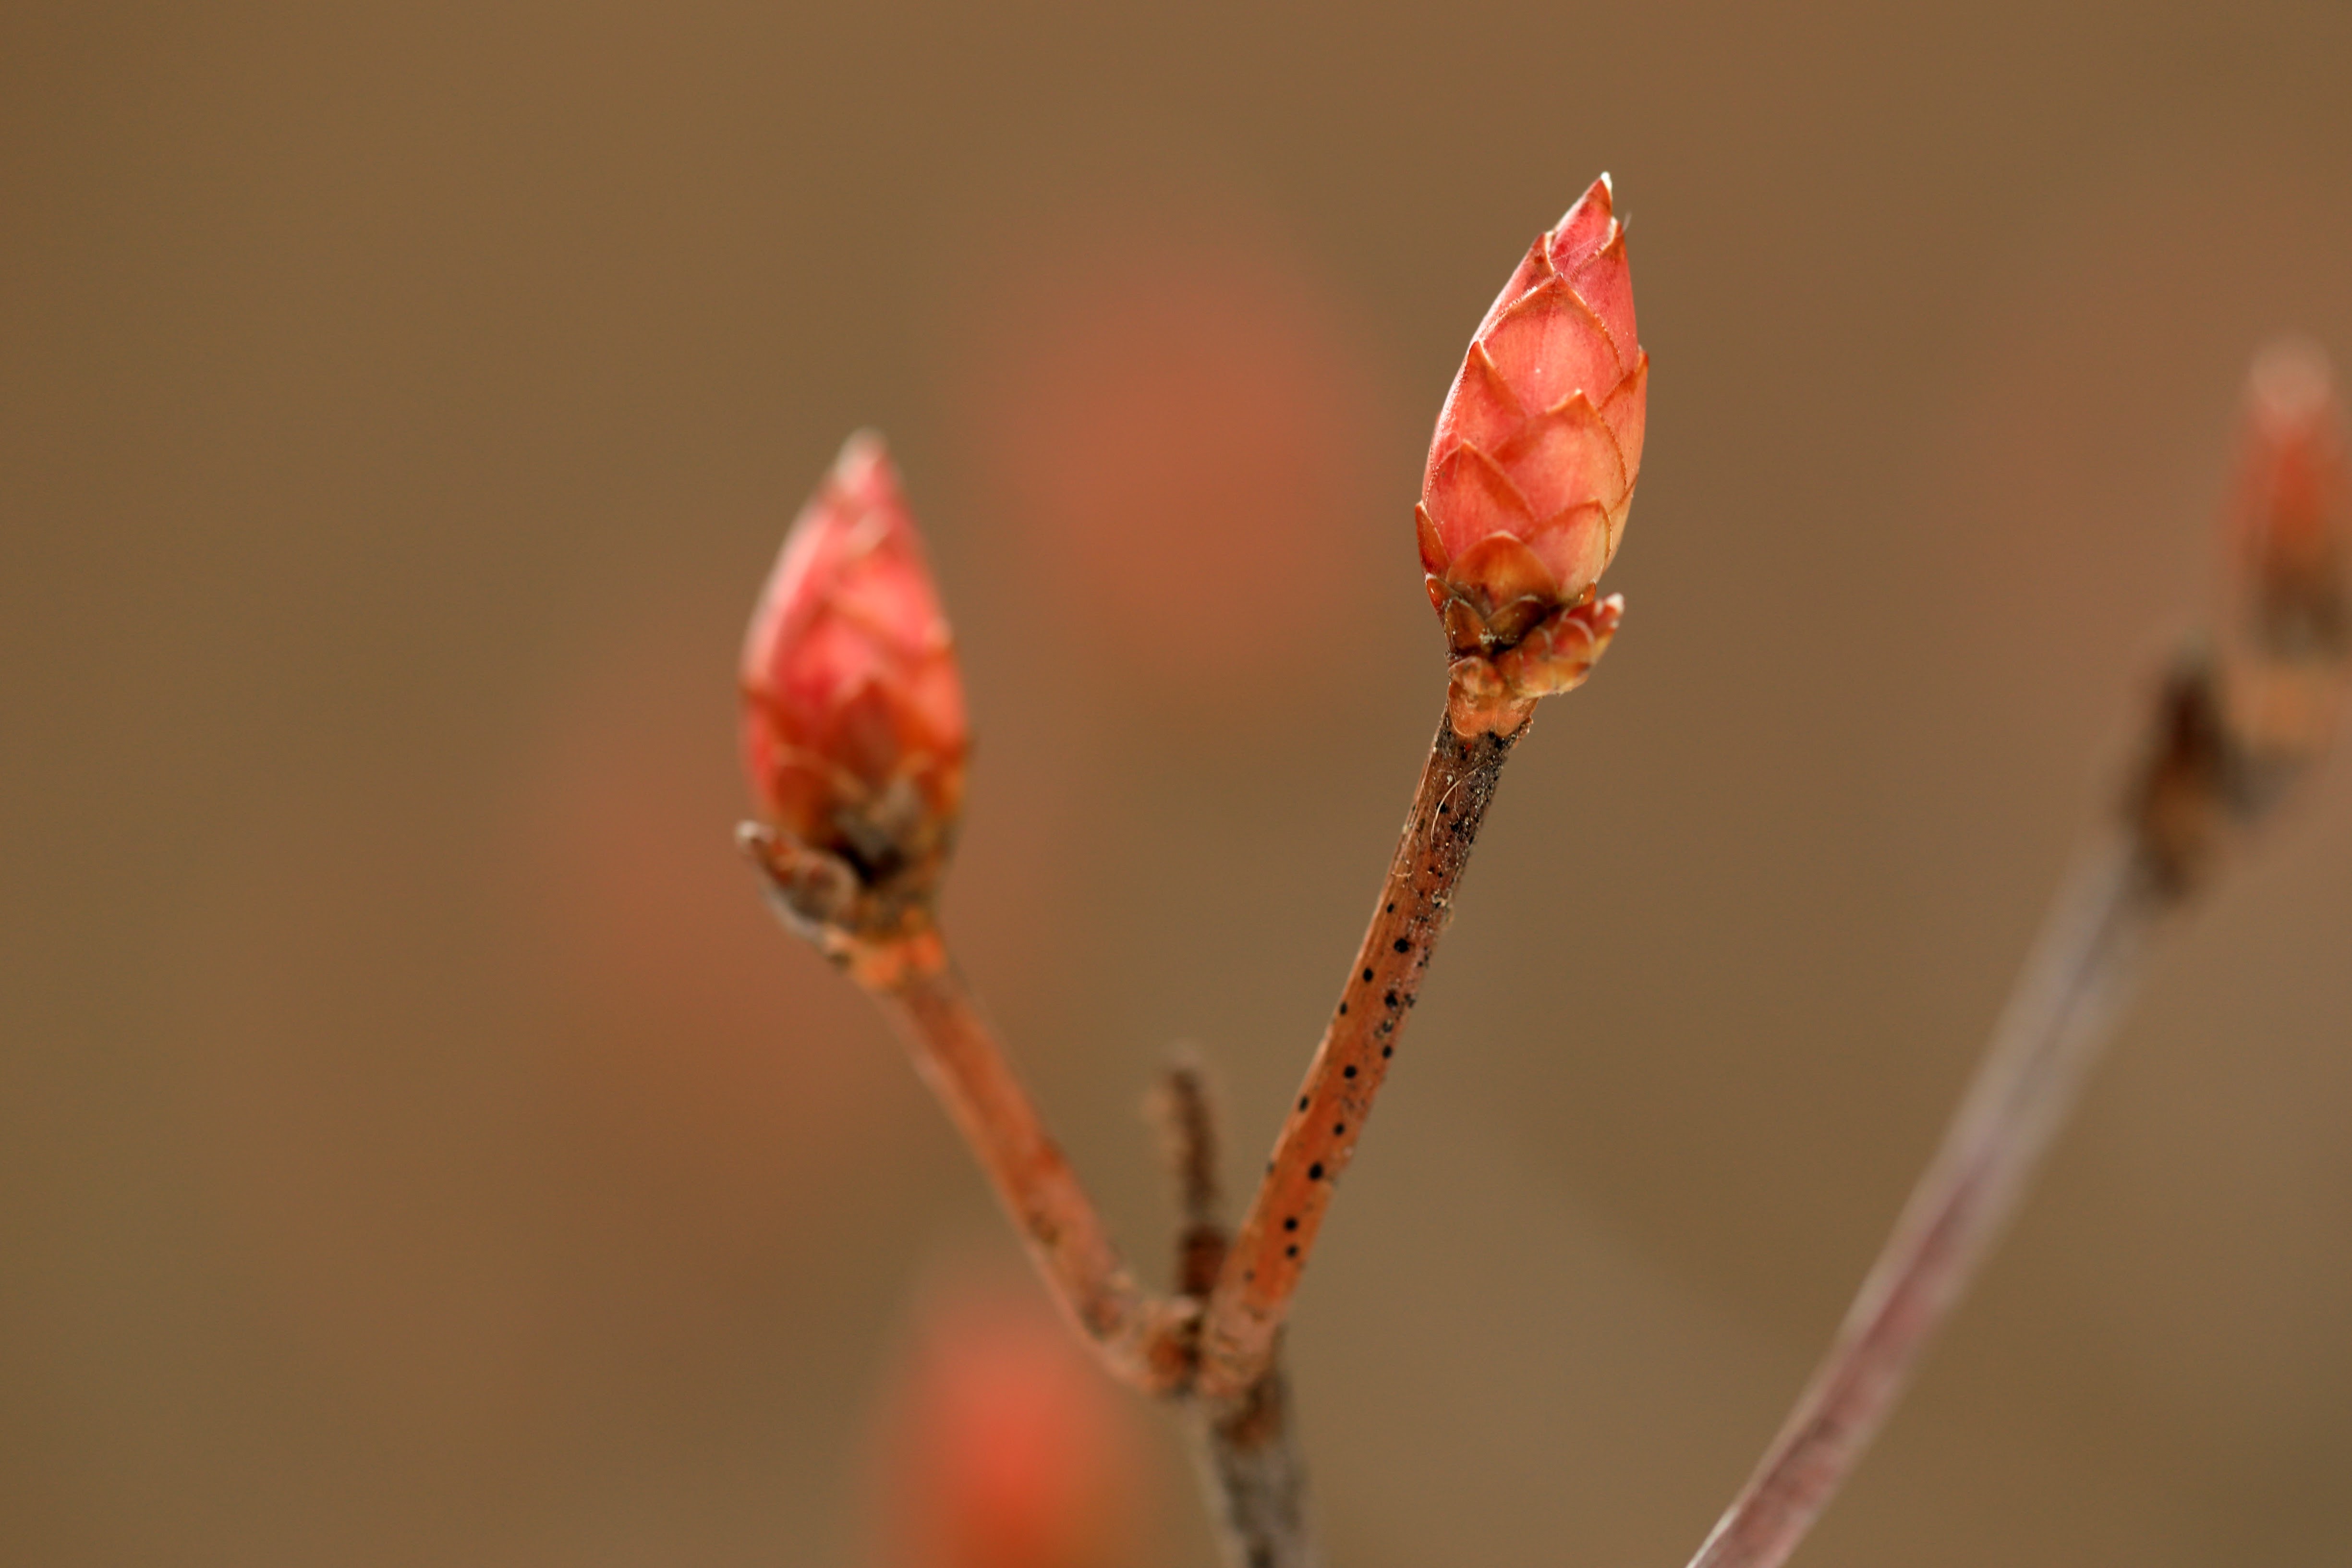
x: 855, y: 737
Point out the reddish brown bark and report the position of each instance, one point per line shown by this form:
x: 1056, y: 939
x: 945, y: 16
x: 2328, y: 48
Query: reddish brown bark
x: 1262, y: 1267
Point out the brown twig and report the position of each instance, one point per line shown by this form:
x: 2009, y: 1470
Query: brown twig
x: 1245, y: 1446
x: 1188, y: 1137
x: 1253, y: 1477
x: 909, y: 975
x: 2226, y: 740
x: 1245, y: 1314
x: 2188, y: 793
x: 2081, y: 967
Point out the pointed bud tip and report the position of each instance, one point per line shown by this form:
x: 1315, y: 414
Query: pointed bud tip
x: 2292, y: 382
x: 862, y: 472
x: 862, y: 445
x: 1601, y: 194
x: 854, y: 731
x: 1598, y: 198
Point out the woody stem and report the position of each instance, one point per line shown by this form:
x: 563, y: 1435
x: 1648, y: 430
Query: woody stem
x: 2190, y: 794
x: 925, y: 997
x: 1253, y: 1477
x: 2055, y: 1024
x: 1262, y: 1267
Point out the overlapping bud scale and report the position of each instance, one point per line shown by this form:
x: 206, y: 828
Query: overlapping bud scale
x: 854, y: 731
x: 1537, y: 448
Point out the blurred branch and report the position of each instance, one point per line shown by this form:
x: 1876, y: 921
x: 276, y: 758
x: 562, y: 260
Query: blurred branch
x: 2226, y: 739
x: 1188, y: 1133
x: 1246, y: 1449
x: 2080, y: 970
x: 1139, y: 1338
x: 1254, y: 1478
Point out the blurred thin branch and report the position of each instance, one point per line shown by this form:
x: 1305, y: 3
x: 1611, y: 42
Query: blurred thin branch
x: 1253, y: 1474
x: 2228, y: 736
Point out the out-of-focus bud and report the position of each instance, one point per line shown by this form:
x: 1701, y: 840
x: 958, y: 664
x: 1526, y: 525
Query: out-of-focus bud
x: 854, y: 729
x: 1532, y: 468
x: 1004, y: 1447
x: 2287, y: 656
x: 2236, y: 732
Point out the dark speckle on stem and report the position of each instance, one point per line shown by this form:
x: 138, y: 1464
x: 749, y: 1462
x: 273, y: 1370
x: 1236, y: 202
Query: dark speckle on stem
x: 1456, y: 789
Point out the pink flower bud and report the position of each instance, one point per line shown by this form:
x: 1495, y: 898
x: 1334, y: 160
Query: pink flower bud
x: 2289, y: 510
x: 1532, y: 468
x: 854, y: 729
x: 2287, y: 527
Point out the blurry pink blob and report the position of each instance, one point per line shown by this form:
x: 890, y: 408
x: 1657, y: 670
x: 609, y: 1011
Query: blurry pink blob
x: 1180, y: 424
x: 2289, y: 517
x: 710, y: 1052
x: 2292, y: 490
x: 1004, y: 1446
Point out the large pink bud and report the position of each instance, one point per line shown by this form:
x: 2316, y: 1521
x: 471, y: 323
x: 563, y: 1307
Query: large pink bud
x: 1538, y: 448
x: 853, y: 728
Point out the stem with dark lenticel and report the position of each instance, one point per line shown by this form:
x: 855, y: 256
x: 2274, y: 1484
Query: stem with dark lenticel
x: 958, y: 1056
x: 1263, y: 1266
x: 1246, y: 1448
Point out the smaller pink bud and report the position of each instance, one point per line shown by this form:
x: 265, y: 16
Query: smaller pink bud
x: 1532, y: 468
x: 2290, y: 506
x: 2287, y: 529
x: 854, y: 731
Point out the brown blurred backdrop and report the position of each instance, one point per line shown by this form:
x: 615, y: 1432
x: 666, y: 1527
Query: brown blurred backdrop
x: 416, y: 1146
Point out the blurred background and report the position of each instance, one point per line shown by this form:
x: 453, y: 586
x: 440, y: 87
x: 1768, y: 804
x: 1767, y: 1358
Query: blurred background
x: 418, y: 1145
